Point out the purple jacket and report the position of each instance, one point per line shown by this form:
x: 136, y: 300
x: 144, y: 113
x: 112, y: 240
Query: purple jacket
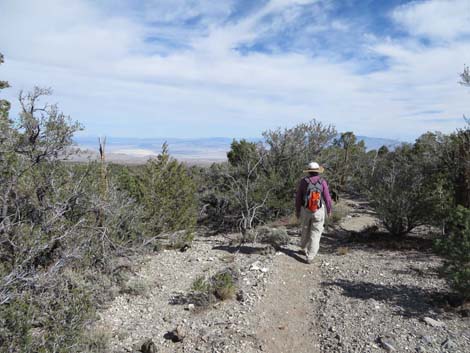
x: 302, y: 189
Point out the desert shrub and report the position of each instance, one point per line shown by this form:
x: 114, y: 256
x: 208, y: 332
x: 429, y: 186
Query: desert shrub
x: 258, y: 183
x: 344, y: 162
x: 288, y: 151
x: 48, y: 320
x: 340, y: 211
x: 169, y: 195
x: 135, y: 286
x: 216, y: 208
x: 275, y: 237
x: 221, y: 286
x: 455, y: 158
x: 455, y: 248
x: 200, y: 284
x: 400, y: 192
x: 127, y: 179
x: 234, y: 197
x: 58, y: 231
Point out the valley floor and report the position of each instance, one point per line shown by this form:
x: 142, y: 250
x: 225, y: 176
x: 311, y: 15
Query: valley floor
x: 355, y: 297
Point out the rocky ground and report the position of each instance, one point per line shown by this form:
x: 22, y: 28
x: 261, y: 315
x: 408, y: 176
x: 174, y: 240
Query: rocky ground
x: 357, y: 296
x: 380, y: 296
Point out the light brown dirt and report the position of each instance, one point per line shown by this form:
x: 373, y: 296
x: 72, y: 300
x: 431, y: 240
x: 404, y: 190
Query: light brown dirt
x: 286, y: 313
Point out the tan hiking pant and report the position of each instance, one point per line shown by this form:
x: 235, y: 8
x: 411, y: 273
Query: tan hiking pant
x: 312, y: 228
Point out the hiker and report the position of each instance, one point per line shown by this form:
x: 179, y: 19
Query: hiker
x: 311, y: 202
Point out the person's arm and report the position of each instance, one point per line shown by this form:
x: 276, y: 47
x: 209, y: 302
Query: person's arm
x: 327, y: 197
x: 299, y: 197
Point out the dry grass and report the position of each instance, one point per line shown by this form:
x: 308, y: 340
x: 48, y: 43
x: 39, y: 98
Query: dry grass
x: 340, y: 210
x: 222, y: 285
x: 343, y: 250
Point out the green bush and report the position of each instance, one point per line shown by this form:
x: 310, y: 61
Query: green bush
x: 59, y: 229
x: 221, y: 286
x: 169, y: 195
x: 401, y: 193
x: 455, y: 248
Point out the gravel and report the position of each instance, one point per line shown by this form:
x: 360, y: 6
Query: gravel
x: 224, y: 326
x: 358, y: 298
x: 374, y: 299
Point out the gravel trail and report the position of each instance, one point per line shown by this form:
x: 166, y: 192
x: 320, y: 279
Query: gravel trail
x: 286, y: 323
x: 355, y: 297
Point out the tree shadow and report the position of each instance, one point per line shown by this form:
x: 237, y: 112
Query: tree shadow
x: 240, y: 249
x: 372, y: 239
x: 407, y: 301
x: 295, y: 254
x: 258, y: 249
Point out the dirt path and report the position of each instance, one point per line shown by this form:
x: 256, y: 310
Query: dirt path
x: 286, y: 314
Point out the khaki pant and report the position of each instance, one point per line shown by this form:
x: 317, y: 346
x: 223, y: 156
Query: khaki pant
x: 312, y: 229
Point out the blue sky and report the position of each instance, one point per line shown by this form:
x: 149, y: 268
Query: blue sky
x: 187, y: 68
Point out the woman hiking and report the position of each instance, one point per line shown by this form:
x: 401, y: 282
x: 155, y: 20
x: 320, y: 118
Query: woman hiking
x: 312, y: 204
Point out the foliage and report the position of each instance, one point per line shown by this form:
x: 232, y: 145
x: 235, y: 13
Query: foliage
x: 216, y: 208
x: 400, y: 193
x: 288, y: 152
x: 57, y: 232
x: 345, y: 161
x: 4, y: 104
x: 276, y: 237
x: 258, y: 183
x: 127, y: 179
x: 169, y: 195
x: 456, y: 159
x: 221, y: 285
x: 242, y: 151
x: 341, y: 210
x: 455, y: 248
x: 248, y: 189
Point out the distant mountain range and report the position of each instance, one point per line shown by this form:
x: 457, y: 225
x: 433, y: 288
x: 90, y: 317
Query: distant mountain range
x: 208, y: 149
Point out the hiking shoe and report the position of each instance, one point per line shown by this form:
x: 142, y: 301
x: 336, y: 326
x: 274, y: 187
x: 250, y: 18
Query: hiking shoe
x: 307, y: 258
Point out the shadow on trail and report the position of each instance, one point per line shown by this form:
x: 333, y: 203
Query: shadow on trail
x: 295, y: 254
x: 374, y: 241
x: 240, y: 249
x: 407, y: 301
x: 253, y: 249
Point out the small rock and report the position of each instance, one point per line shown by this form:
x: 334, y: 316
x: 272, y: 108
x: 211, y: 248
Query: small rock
x: 433, y: 323
x: 191, y: 307
x: 177, y: 335
x: 185, y: 247
x: 240, y: 296
x: 428, y: 339
x: 448, y: 344
x: 386, y: 344
x: 148, y: 347
x: 255, y: 266
x: 264, y: 270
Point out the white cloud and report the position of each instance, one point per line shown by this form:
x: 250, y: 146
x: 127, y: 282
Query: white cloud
x: 439, y: 19
x: 106, y: 74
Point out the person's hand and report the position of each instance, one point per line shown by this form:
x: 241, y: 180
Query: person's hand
x: 330, y: 213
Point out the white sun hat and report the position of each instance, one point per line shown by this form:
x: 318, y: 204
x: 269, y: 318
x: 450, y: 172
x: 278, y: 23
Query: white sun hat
x: 314, y: 167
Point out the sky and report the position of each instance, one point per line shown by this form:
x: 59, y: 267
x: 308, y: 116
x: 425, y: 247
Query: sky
x: 235, y: 68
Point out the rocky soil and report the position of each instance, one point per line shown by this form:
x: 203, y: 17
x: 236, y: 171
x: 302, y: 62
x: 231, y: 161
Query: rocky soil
x: 356, y: 297
x: 373, y: 297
